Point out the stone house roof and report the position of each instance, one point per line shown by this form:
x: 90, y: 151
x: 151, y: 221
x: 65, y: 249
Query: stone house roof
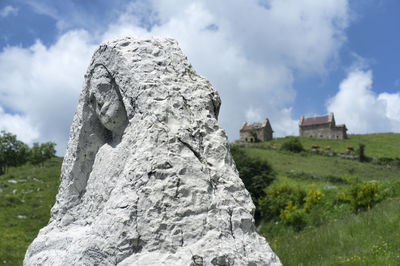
x: 319, y: 120
x: 316, y: 120
x: 247, y: 127
x: 253, y: 126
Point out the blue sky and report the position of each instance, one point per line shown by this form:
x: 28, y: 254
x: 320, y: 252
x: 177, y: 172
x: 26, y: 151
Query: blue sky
x: 267, y: 58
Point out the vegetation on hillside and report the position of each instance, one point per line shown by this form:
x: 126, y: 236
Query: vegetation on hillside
x: 332, y: 207
x: 14, y: 152
x: 292, y: 144
x: 26, y: 195
x: 315, y: 207
x: 255, y: 173
x: 376, y: 146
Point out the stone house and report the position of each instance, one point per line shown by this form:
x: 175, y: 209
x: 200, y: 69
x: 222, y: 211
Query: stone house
x: 256, y: 131
x: 323, y: 127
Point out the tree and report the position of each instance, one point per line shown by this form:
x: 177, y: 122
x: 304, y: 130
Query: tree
x: 48, y: 150
x: 42, y: 152
x: 15, y: 153
x: 12, y: 151
x: 293, y: 144
x: 36, y: 154
x: 255, y: 173
x: 22, y: 154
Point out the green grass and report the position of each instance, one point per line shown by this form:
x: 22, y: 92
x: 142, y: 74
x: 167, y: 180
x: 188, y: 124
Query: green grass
x: 25, y: 207
x: 368, y: 238
x: 321, y: 167
x: 335, y: 233
x: 376, y: 145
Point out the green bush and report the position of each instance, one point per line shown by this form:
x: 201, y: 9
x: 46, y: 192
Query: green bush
x: 293, y: 144
x: 363, y: 195
x: 255, y: 173
x: 291, y: 205
x: 277, y: 198
x: 366, y: 194
x: 294, y: 216
x: 313, y: 197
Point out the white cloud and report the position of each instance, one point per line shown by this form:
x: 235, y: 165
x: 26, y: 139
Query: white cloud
x: 286, y: 126
x: 283, y: 127
x: 8, y: 10
x: 254, y: 114
x: 43, y: 85
x: 249, y: 52
x: 250, y: 57
x: 361, y: 109
x: 19, y: 125
x: 392, y: 111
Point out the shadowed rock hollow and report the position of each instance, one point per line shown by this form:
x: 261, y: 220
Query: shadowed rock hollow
x: 148, y: 178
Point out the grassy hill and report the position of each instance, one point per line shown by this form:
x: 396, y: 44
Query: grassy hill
x: 382, y: 145
x: 354, y: 221
x: 27, y: 194
x: 334, y: 228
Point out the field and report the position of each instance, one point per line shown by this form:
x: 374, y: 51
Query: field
x: 26, y: 195
x: 338, y: 229
x: 377, y: 145
x: 349, y: 215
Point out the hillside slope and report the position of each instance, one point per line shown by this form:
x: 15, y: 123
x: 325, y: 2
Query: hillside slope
x: 379, y: 145
x: 352, y: 218
x: 334, y: 233
x: 26, y: 195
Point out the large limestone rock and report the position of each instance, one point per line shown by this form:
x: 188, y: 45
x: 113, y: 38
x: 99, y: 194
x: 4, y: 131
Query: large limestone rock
x: 148, y: 178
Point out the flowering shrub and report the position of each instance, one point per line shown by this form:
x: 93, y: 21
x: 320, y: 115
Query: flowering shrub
x: 366, y: 194
x: 289, y: 204
x: 277, y: 198
x: 363, y: 195
x: 313, y: 197
x: 293, y: 215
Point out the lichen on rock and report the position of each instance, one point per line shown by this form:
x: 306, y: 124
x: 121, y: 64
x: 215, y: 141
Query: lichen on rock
x: 148, y: 178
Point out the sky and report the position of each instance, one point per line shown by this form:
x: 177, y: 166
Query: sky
x: 275, y: 59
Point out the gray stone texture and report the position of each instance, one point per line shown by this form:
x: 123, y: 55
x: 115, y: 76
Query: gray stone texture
x: 148, y: 178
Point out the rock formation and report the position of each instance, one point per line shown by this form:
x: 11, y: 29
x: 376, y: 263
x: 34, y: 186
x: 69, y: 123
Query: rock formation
x: 148, y: 178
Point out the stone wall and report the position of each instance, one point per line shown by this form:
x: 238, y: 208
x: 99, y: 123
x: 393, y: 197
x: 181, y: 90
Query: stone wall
x: 338, y: 133
x: 323, y: 132
x: 263, y: 134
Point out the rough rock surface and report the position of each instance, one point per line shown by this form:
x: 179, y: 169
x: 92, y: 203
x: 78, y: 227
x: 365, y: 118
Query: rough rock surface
x: 148, y: 178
